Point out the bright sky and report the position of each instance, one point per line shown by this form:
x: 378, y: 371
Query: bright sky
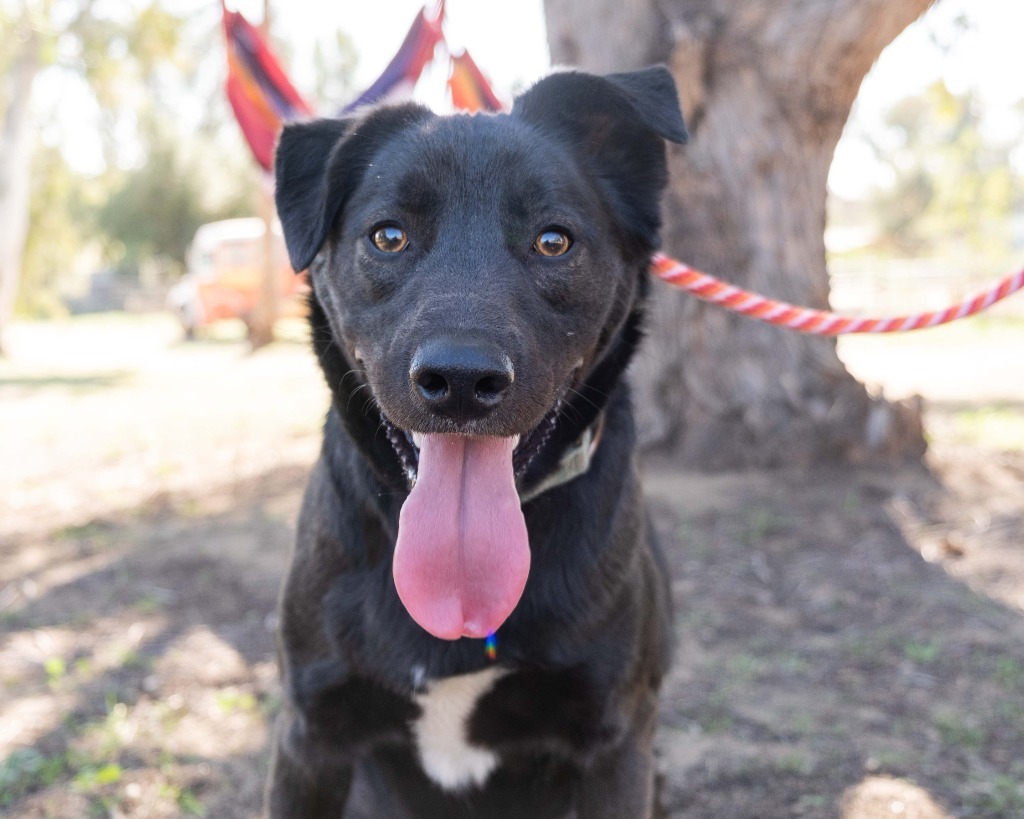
x: 507, y: 40
x: 986, y: 56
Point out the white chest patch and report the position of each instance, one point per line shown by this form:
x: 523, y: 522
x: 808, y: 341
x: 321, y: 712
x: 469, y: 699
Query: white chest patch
x: 440, y: 732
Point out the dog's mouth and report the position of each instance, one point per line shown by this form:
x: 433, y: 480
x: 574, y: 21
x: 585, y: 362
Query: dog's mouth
x: 462, y: 556
x: 526, y: 447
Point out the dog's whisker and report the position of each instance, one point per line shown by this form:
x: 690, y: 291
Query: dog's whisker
x: 370, y: 402
x: 584, y: 398
x: 348, y: 404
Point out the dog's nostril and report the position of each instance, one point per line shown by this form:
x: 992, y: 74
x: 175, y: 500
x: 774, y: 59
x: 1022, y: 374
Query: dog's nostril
x: 491, y: 388
x: 432, y: 386
x: 461, y: 380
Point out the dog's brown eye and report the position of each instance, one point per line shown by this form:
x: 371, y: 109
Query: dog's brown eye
x: 389, y: 239
x: 552, y: 243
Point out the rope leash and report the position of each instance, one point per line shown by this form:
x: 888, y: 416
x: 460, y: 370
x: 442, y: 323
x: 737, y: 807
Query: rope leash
x: 819, y: 322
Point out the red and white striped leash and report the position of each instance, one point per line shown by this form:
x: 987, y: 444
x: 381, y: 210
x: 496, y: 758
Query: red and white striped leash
x: 819, y: 322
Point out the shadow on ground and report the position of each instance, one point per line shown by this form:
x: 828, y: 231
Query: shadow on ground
x: 824, y: 668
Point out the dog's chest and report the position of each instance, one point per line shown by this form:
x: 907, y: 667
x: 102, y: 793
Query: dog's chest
x: 441, y: 731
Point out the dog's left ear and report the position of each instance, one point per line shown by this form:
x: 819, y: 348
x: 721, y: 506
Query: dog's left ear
x: 619, y: 123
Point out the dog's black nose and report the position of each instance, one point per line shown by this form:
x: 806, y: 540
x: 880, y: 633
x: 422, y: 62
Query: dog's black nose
x: 462, y: 381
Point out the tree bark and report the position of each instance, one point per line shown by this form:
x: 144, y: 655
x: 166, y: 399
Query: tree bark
x: 766, y: 87
x: 16, y: 143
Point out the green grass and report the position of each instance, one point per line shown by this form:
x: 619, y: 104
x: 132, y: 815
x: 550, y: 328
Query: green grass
x: 25, y: 770
x: 1010, y: 673
x: 959, y: 730
x: 1001, y: 796
x: 922, y: 653
x: 1000, y: 426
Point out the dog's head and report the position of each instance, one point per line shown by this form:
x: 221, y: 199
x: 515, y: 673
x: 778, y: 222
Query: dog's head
x: 479, y: 276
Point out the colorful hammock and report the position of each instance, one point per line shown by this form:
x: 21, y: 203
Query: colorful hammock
x: 469, y: 89
x: 402, y: 73
x: 263, y: 99
x: 259, y: 92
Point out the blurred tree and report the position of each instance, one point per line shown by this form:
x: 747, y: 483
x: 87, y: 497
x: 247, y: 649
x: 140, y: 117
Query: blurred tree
x: 153, y: 211
x: 82, y: 38
x: 335, y: 72
x: 953, y: 187
x: 766, y: 86
x: 61, y: 218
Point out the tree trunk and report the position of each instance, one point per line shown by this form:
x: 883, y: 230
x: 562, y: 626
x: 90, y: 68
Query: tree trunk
x: 16, y: 143
x: 766, y: 86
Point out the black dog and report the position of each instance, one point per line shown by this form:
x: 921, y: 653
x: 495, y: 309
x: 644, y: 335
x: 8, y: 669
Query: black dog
x: 478, y: 290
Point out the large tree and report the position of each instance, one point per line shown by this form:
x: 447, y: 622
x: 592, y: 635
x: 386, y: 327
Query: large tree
x: 85, y: 39
x: 766, y: 86
x: 22, y: 63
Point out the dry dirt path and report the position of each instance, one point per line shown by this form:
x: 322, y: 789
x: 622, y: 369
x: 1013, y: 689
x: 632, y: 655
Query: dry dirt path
x: 850, y: 642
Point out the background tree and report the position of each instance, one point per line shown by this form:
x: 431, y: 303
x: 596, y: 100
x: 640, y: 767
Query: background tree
x: 953, y: 186
x: 82, y: 38
x: 767, y: 86
x: 152, y: 211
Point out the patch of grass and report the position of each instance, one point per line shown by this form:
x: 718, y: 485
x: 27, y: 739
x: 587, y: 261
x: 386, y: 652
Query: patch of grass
x: 148, y: 604
x: 1009, y: 719
x: 996, y: 427
x: 77, y: 384
x: 760, y: 523
x: 795, y: 762
x: 93, y: 530
x: 105, y: 737
x: 958, y: 730
x: 1010, y: 673
x: 791, y: 664
x: 1001, y: 796
x: 743, y: 669
x: 230, y: 700
x: 888, y: 760
x: 922, y: 653
x: 872, y: 649
x: 714, y: 716
x: 271, y: 704
x: 811, y: 802
x: 25, y: 770
x: 697, y: 545
x: 134, y: 659
x: 187, y: 802
x: 852, y: 502
x: 11, y: 620
x: 803, y: 724
x: 92, y: 777
x: 56, y: 669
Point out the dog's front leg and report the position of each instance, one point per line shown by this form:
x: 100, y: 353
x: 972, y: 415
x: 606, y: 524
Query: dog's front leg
x: 620, y: 782
x: 303, y: 785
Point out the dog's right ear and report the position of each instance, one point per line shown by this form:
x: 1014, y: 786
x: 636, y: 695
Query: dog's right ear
x: 319, y: 163
x: 301, y: 185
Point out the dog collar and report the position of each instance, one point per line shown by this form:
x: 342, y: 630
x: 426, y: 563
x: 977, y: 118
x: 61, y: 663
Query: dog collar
x: 573, y: 463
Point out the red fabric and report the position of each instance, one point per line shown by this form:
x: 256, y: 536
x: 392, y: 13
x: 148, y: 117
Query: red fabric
x: 469, y: 88
x: 260, y: 93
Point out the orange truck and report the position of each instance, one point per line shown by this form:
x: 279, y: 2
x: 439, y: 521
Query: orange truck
x: 224, y: 273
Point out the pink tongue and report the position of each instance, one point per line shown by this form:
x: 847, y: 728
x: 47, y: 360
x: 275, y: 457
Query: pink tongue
x: 462, y: 555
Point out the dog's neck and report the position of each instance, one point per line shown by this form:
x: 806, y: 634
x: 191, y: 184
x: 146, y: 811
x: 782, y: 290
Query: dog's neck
x: 575, y: 461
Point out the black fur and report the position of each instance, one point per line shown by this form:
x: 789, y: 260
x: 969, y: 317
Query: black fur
x: 572, y: 722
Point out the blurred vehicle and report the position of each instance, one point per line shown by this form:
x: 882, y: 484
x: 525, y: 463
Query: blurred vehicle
x: 224, y: 272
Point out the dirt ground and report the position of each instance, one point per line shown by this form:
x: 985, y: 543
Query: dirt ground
x: 850, y: 641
